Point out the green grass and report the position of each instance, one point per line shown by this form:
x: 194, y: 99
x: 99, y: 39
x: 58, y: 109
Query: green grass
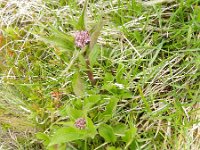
x: 146, y: 64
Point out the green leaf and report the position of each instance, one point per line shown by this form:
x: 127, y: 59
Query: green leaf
x: 95, y: 34
x: 119, y: 129
x: 44, y: 137
x: 146, y: 103
x: 129, y: 136
x: 113, y: 148
x: 120, y: 72
x: 159, y: 47
x: 91, y: 129
x: 57, y: 147
x: 90, y: 101
x: 137, y: 36
x: 189, y: 35
x: 107, y: 133
x: 58, y: 33
x: 74, y: 113
x: 81, y: 21
x: 60, y: 42
x: 108, y: 77
x: 78, y: 85
x: 59, y: 39
x: 94, y: 55
x: 110, y: 109
x: 67, y: 134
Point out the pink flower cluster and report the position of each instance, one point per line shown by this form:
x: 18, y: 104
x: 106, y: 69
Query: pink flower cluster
x: 82, y: 38
x: 80, y: 123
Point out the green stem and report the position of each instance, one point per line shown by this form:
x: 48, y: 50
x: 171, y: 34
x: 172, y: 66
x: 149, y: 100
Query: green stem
x: 85, y: 146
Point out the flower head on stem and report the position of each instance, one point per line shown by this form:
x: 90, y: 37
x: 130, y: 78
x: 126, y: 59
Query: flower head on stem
x: 82, y: 38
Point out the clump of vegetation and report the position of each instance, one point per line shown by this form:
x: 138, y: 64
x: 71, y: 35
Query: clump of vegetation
x: 100, y: 74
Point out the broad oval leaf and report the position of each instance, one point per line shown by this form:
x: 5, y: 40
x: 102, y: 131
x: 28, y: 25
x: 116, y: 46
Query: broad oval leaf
x: 91, y: 129
x: 44, y: 137
x: 78, y: 85
x: 107, y: 133
x: 130, y: 134
x: 110, y: 109
x: 67, y: 134
x: 119, y: 129
x: 74, y: 113
x: 90, y: 101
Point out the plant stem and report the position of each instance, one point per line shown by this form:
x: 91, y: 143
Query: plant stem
x: 89, y: 72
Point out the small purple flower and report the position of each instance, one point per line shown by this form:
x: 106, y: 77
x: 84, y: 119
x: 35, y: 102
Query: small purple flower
x: 82, y: 38
x: 80, y: 123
